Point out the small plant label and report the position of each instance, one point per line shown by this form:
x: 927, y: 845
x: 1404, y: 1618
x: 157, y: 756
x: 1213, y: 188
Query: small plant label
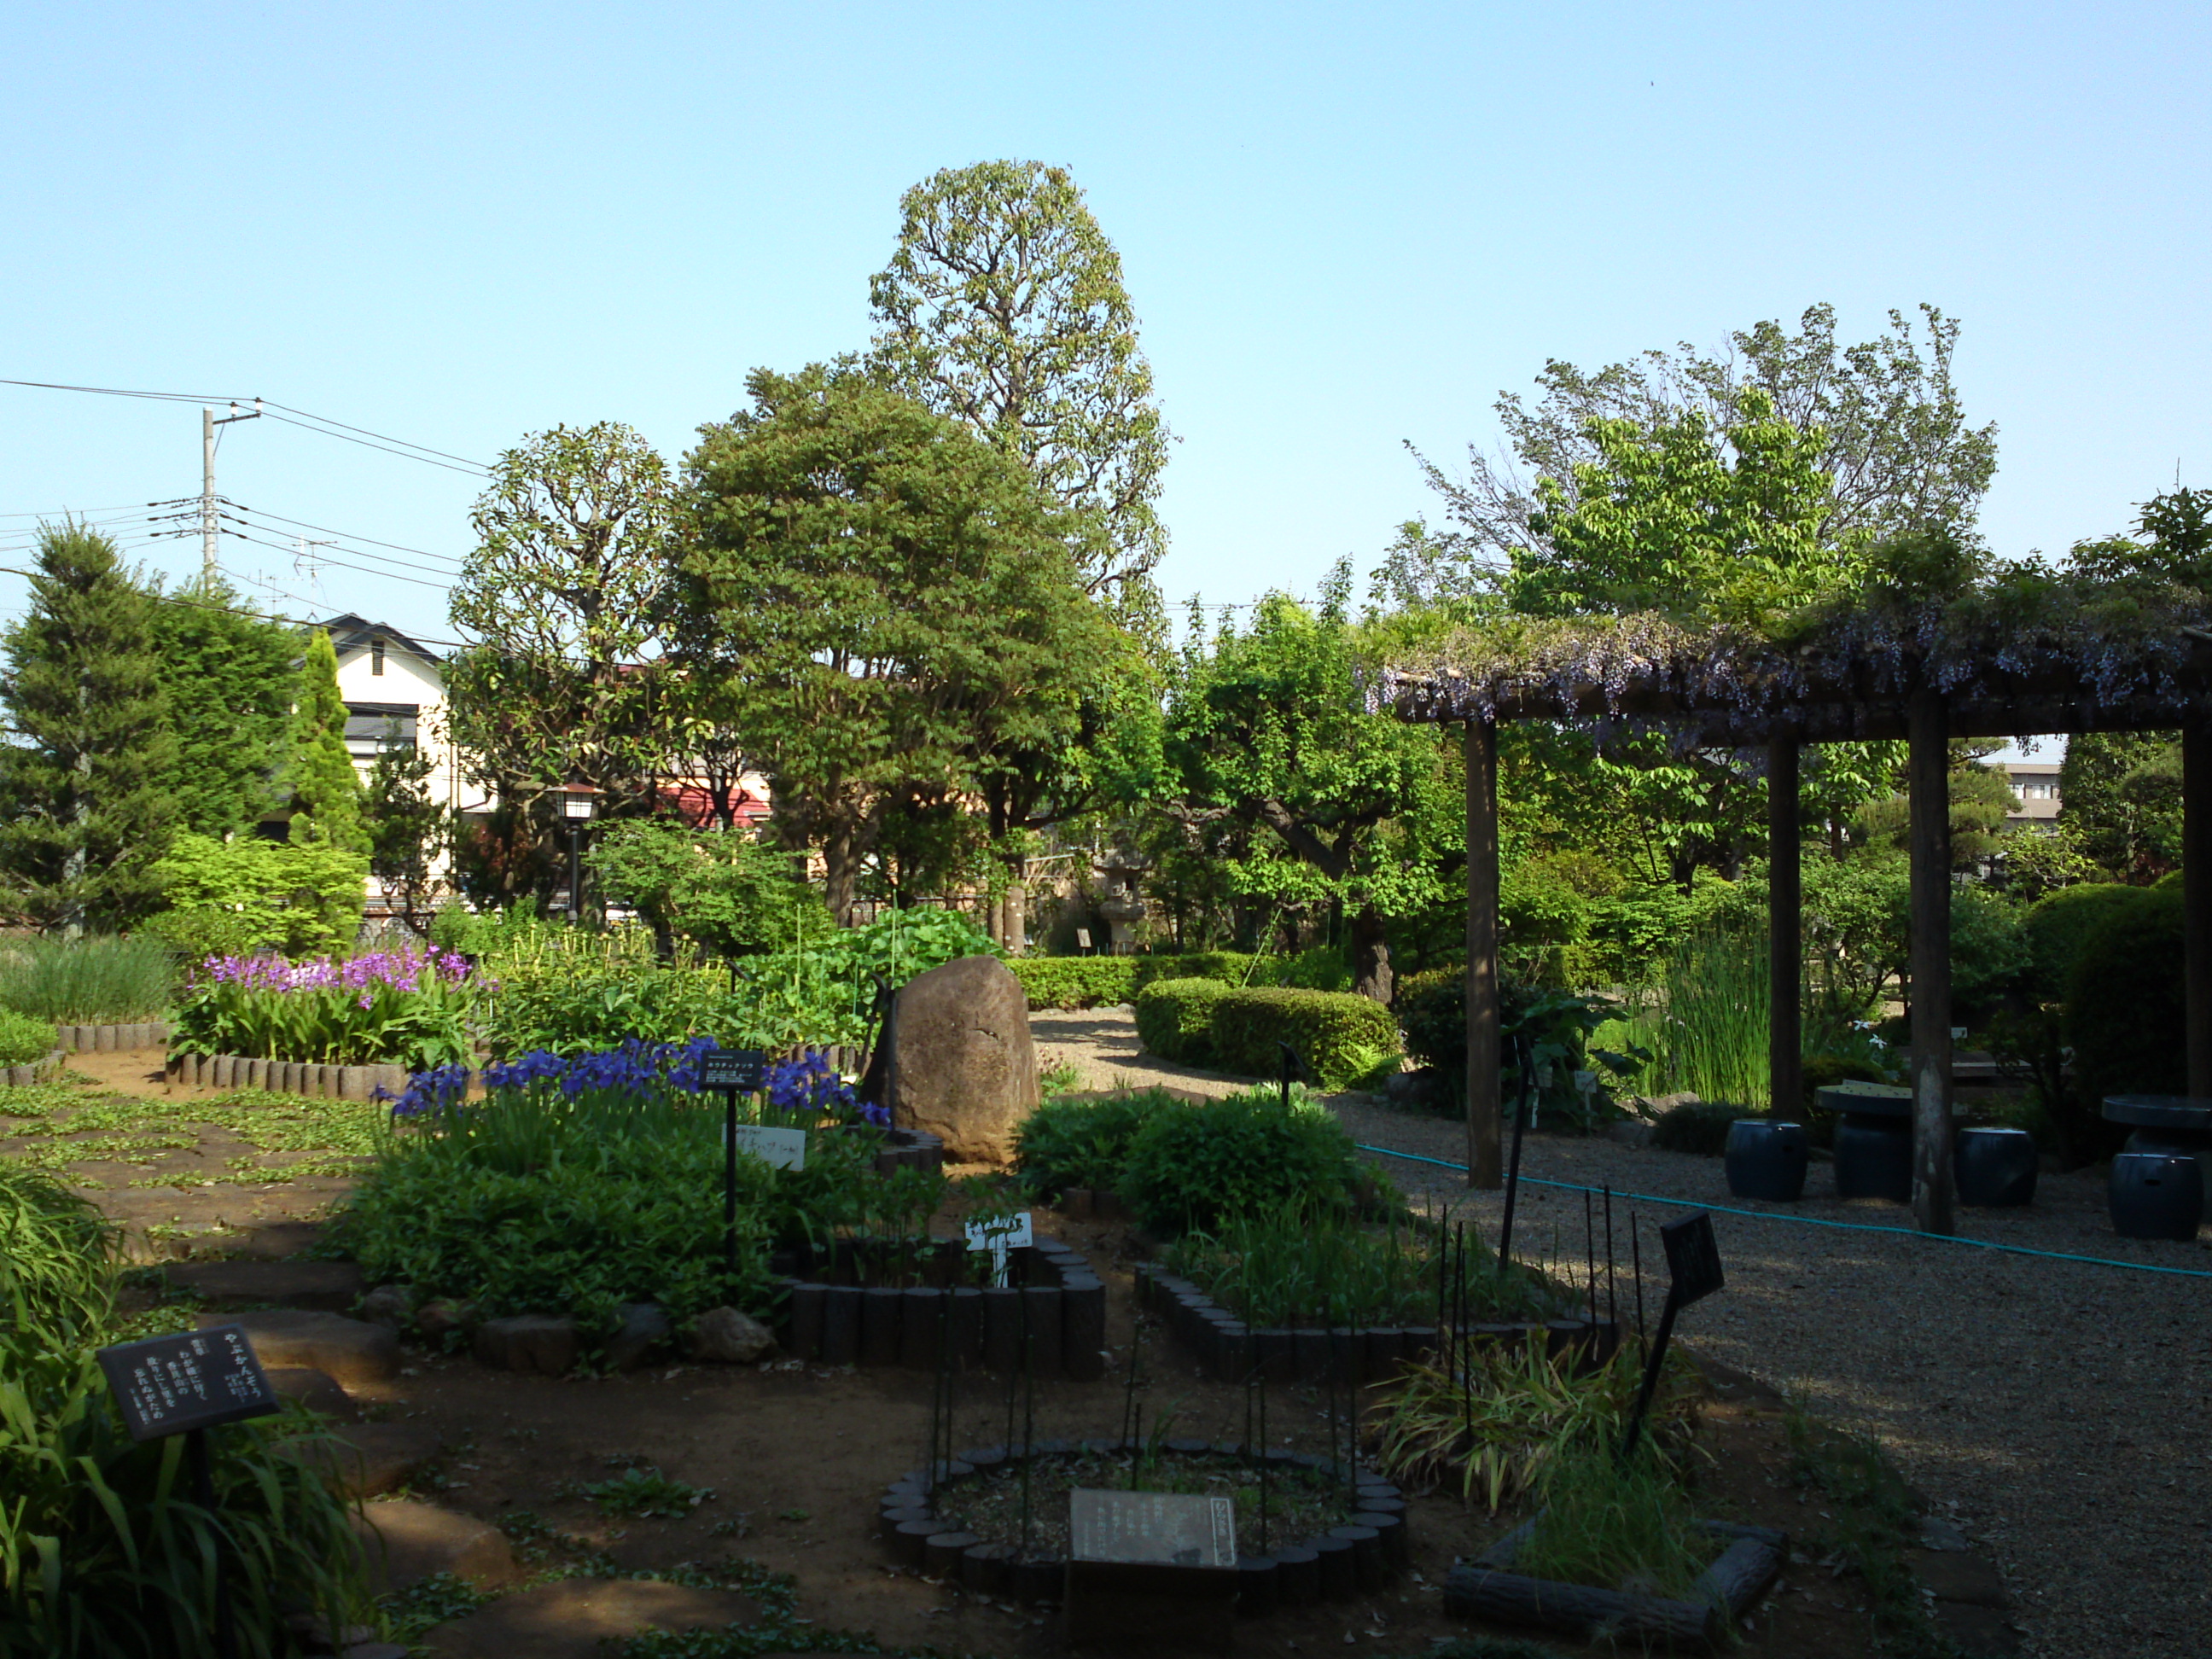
x: 779, y: 1149
x: 742, y: 1070
x: 1693, y: 1258
x: 171, y: 1384
x: 999, y: 1237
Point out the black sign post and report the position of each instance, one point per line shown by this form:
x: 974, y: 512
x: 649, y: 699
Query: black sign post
x: 187, y: 1384
x: 735, y: 1072
x: 1294, y: 1069
x: 1525, y: 1067
x: 1693, y: 1270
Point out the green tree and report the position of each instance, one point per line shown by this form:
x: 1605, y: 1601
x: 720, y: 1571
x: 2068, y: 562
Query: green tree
x: 301, y: 898
x: 1265, y: 727
x: 727, y: 890
x: 326, y: 789
x: 1894, y: 441
x: 83, y: 783
x: 407, y: 832
x: 1980, y: 799
x: 565, y: 592
x: 875, y: 586
x: 229, y: 679
x: 2119, y: 793
x: 1003, y: 308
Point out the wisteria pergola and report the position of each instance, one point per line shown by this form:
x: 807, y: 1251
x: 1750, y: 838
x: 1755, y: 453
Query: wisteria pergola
x: 1878, y: 677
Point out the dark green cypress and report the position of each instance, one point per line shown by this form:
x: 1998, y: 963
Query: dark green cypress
x: 83, y: 789
x: 231, y: 679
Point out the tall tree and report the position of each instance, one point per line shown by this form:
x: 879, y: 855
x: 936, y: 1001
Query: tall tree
x: 1895, y: 442
x: 82, y: 785
x: 1003, y: 308
x: 564, y: 592
x: 230, y: 681
x: 326, y: 789
x: 874, y: 584
x: 407, y: 832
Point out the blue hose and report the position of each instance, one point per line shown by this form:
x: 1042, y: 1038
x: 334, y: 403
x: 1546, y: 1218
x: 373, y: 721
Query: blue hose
x: 1816, y: 1221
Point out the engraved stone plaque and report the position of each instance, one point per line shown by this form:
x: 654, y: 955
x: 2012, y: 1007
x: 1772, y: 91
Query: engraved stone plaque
x: 1151, y: 1568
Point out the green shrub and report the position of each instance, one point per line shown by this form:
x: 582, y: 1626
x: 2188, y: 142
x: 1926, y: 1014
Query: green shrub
x: 1077, y: 981
x: 1082, y: 1143
x: 24, y: 1039
x: 1697, y: 1126
x: 58, y: 1255
x: 1174, y: 1018
x: 2058, y: 925
x: 238, y: 897
x: 1990, y: 951
x: 727, y: 890
x: 2123, y: 1013
x: 1341, y: 1037
x: 103, y: 978
x: 1191, y: 1166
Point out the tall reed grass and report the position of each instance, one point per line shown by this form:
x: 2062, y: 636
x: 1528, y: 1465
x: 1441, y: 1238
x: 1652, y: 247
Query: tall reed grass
x: 94, y: 981
x: 1706, y: 1023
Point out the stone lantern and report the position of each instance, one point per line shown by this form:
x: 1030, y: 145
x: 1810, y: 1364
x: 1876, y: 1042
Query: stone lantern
x: 1120, y: 902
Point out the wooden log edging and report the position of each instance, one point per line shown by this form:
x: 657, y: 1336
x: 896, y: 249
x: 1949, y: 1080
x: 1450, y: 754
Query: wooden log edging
x: 1486, y: 1588
x: 1050, y: 1284
x: 1229, y: 1351
x: 21, y: 1077
x: 1368, y: 1552
x: 111, y: 1039
x: 288, y: 1077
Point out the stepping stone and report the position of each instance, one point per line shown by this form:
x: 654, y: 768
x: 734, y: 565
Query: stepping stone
x: 318, y: 1391
x: 404, y: 1542
x: 350, y: 1350
x: 1960, y: 1577
x: 273, y: 1240
x: 571, y: 1619
x: 369, y: 1459
x: 324, y: 1286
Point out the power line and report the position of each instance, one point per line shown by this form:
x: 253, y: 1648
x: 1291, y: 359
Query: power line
x: 398, y: 547
x: 366, y: 433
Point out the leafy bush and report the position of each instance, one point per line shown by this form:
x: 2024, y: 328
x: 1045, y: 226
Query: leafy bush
x: 1174, y: 1018
x: 1102, y: 981
x: 24, y: 1039
x: 1567, y: 1033
x: 1077, y: 982
x: 58, y: 1257
x: 727, y: 890
x: 2057, y: 925
x: 569, y: 992
x: 1698, y: 1126
x: 237, y: 896
x: 1191, y: 1166
x: 1989, y: 953
x: 102, y: 1549
x: 2123, y: 1013
x: 1341, y: 1037
x: 1082, y: 1143
x: 407, y: 1007
x: 101, y: 978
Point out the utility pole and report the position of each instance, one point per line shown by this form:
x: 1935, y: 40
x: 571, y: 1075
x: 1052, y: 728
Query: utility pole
x: 208, y: 529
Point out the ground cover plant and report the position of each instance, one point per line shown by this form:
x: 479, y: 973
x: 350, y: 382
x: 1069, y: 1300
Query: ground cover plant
x: 1300, y: 1265
x: 408, y: 1007
x: 69, y: 1122
x: 24, y: 1038
x: 1491, y: 1430
x: 103, y: 978
x: 102, y: 1552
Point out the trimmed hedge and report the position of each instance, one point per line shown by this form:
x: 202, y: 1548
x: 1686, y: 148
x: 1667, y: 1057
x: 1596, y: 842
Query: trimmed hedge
x: 2123, y: 1011
x: 1102, y: 981
x: 1341, y: 1036
x: 1174, y: 1018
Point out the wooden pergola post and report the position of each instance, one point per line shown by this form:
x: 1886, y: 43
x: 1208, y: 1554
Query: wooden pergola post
x: 2197, y: 901
x: 1484, y: 1166
x: 1785, y: 944
x: 1927, y: 730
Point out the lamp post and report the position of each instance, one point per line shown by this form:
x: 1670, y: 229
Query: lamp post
x: 576, y: 808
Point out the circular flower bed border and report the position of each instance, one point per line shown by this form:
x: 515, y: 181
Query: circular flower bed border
x: 1358, y: 1558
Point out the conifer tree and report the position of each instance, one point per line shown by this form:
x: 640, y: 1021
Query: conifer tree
x: 230, y: 681
x: 326, y: 789
x: 83, y: 791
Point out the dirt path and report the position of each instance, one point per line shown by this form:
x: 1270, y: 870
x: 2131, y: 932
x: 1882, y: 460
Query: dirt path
x: 2062, y: 1408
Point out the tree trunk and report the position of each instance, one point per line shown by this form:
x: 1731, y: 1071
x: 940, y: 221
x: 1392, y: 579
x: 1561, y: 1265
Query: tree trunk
x: 841, y: 860
x: 1371, y: 956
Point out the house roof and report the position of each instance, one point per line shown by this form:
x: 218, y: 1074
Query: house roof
x: 351, y: 632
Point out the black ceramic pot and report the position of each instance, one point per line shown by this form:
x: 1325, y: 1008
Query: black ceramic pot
x: 1767, y: 1159
x: 1996, y: 1167
x: 2156, y: 1195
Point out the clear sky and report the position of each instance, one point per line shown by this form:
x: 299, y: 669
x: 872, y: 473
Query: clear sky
x: 1343, y: 228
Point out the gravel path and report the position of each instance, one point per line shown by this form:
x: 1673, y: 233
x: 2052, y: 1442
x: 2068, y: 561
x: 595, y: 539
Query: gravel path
x: 2064, y: 1408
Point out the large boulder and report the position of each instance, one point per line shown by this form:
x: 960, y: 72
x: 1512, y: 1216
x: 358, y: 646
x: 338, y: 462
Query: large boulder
x: 965, y: 1068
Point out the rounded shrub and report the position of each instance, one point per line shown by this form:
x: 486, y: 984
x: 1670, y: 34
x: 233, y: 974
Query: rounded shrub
x: 23, y: 1038
x: 2058, y: 925
x: 1341, y: 1037
x: 1190, y: 1166
x: 1698, y: 1126
x: 2123, y: 1013
x: 1174, y: 1018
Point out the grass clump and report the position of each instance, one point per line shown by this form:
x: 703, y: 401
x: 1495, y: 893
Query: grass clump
x: 58, y: 1257
x: 25, y: 1039
x: 1615, y: 1526
x: 99, y: 980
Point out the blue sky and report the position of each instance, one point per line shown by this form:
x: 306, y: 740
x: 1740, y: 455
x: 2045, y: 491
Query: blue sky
x: 1342, y: 228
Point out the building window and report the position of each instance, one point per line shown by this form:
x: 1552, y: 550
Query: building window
x: 376, y: 655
